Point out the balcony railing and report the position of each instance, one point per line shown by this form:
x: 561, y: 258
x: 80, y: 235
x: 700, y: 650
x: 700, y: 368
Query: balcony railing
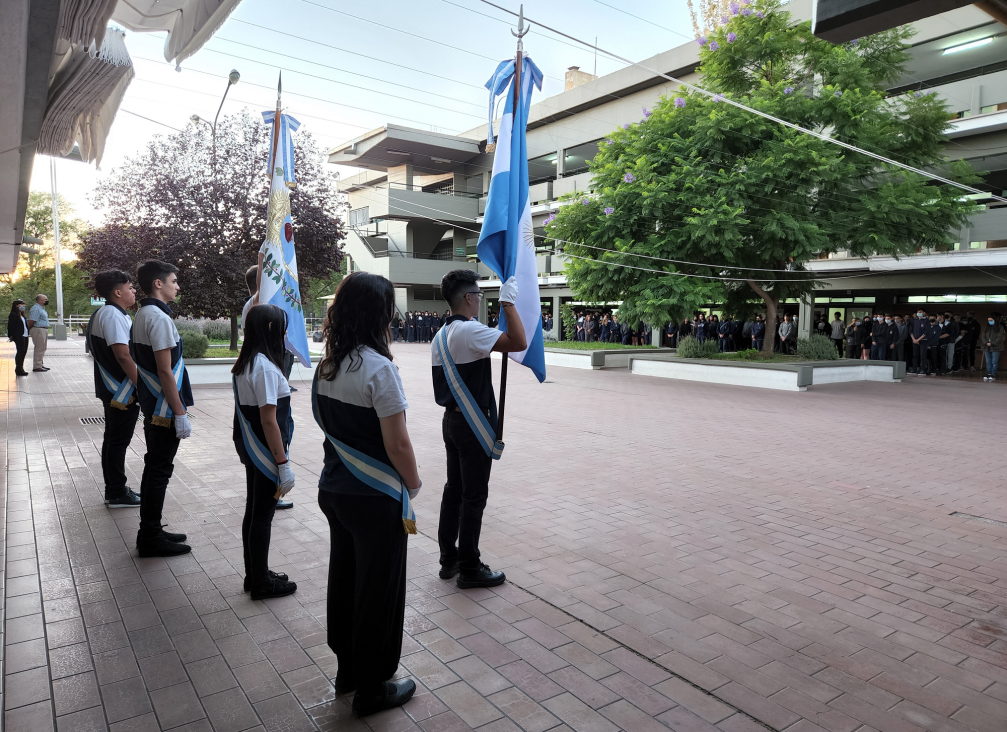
x: 442, y: 190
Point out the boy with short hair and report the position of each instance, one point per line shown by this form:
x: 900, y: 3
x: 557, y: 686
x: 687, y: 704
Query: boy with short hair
x: 164, y: 393
x: 114, y: 381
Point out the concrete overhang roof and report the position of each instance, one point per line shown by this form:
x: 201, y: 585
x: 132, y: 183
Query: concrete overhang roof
x: 392, y: 145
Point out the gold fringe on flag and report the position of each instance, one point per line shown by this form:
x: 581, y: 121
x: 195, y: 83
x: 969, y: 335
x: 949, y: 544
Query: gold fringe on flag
x: 410, y: 525
x: 161, y: 421
x: 120, y: 405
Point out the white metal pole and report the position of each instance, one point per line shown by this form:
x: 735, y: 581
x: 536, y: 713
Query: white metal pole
x: 59, y: 332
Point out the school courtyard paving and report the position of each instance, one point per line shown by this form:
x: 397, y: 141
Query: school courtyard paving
x: 682, y: 556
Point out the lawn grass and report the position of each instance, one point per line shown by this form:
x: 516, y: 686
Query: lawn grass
x: 220, y: 353
x: 584, y: 346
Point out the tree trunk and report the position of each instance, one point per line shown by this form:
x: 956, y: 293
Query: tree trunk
x: 772, y: 303
x: 234, y: 332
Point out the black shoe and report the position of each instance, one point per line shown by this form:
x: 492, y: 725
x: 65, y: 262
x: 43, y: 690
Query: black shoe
x: 125, y: 499
x: 274, y: 588
x: 177, y: 538
x: 293, y: 388
x: 344, y: 686
x: 45, y: 368
x: 396, y: 693
x: 449, y: 571
x: 21, y: 373
x: 40, y: 369
x: 159, y: 546
x: 283, y: 503
x: 482, y: 577
x: 272, y: 575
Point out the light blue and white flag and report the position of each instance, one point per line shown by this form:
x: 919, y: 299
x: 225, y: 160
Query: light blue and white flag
x: 279, y: 263
x: 507, y: 241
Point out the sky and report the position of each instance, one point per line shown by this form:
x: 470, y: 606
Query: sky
x: 351, y: 67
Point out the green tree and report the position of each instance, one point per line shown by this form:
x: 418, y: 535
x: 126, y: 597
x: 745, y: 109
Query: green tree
x: 38, y: 223
x: 701, y: 181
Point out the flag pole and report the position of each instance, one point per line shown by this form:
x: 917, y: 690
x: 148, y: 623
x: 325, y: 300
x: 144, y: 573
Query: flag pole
x: 272, y: 156
x: 521, y: 32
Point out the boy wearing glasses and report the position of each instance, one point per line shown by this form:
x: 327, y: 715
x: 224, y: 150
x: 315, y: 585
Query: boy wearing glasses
x: 469, y: 344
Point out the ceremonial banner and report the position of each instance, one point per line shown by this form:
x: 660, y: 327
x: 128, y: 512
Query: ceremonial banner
x: 507, y: 241
x: 279, y: 264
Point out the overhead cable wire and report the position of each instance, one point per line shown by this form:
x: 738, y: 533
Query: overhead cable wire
x: 156, y: 122
x: 752, y: 110
x: 356, y: 53
x: 572, y: 243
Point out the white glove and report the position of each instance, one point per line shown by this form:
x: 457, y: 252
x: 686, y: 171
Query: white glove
x: 508, y: 291
x: 182, y: 427
x: 286, y: 478
x: 413, y: 492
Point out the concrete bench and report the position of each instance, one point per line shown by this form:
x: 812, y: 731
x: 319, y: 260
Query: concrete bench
x: 795, y: 376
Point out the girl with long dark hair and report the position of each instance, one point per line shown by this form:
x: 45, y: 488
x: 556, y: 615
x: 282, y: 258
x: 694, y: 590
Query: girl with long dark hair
x: 368, y: 477
x: 17, y: 331
x: 263, y: 427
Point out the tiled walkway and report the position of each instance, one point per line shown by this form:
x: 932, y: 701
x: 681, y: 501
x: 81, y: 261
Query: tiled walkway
x: 683, y: 556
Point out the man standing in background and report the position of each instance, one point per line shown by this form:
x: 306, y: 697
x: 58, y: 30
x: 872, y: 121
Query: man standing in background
x: 38, y: 328
x: 838, y: 332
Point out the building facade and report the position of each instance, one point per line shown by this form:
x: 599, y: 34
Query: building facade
x: 416, y: 205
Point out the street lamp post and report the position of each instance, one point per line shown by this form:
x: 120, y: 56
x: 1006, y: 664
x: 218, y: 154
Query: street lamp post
x: 232, y: 79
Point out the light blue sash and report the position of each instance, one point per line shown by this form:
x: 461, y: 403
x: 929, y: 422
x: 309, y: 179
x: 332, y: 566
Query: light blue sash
x: 261, y: 455
x: 162, y: 412
x: 480, y: 425
x: 367, y: 470
x: 122, y: 392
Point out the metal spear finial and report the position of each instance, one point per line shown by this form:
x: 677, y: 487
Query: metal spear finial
x: 522, y: 29
x: 279, y: 90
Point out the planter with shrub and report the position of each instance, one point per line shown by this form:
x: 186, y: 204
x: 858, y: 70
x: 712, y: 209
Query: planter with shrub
x: 194, y: 344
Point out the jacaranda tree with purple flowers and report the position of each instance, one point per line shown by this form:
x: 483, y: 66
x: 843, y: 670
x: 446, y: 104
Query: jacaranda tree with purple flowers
x: 729, y: 194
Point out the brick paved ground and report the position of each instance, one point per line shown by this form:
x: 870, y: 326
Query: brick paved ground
x: 684, y: 556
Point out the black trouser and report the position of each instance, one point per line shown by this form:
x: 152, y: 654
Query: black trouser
x: 920, y: 357
x: 839, y: 345
x: 288, y: 364
x: 897, y: 353
x: 119, y: 426
x: 366, y: 599
x: 20, y: 350
x: 257, y: 525
x: 158, y: 465
x: 465, y: 494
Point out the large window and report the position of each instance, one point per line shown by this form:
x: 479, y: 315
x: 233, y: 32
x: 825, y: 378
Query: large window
x: 542, y: 168
x: 575, y: 159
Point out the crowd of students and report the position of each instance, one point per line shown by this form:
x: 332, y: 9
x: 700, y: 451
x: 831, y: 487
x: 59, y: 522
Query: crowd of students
x: 418, y: 326
x: 931, y: 344
x: 605, y: 327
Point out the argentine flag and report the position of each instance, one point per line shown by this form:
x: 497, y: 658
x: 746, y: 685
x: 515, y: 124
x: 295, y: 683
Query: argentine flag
x: 507, y: 241
x: 279, y: 264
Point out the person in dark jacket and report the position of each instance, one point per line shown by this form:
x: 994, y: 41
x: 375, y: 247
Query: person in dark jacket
x: 746, y: 333
x: 934, y: 331
x: 671, y: 335
x: 852, y: 334
x: 918, y: 329
x: 863, y: 337
x: 685, y: 329
x: 971, y: 333
x: 17, y: 332
x: 899, y: 337
x: 758, y: 333
x: 723, y: 335
x: 992, y: 338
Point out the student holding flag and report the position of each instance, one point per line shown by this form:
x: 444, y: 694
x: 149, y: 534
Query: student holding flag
x: 463, y: 385
x: 114, y: 381
x: 263, y: 427
x: 368, y: 480
x: 164, y: 393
